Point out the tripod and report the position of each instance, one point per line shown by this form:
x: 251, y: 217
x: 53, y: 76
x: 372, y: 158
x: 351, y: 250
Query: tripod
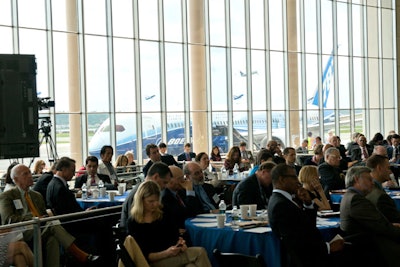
x: 51, y: 149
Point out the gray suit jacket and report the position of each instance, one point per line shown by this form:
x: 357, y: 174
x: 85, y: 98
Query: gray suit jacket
x: 385, y: 204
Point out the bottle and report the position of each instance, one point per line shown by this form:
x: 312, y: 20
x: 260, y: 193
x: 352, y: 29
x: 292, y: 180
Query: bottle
x: 235, y: 217
x: 84, y: 191
x: 223, y: 172
x: 222, y: 207
x: 236, y: 171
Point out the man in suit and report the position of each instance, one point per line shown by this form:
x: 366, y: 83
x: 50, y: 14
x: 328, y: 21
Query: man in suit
x: 105, y: 167
x: 289, y: 154
x: 204, y: 192
x: 153, y: 153
x: 380, y: 172
x: 359, y: 217
x: 179, y: 200
x: 294, y: 221
x: 22, y: 204
x: 332, y: 177
x: 92, y: 163
x: 187, y: 154
x: 393, y: 151
x: 256, y: 188
x: 44, y: 180
x: 361, y: 152
x: 159, y: 173
x: 246, y: 155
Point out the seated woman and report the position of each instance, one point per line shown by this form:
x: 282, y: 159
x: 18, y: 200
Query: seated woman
x: 120, y: 164
x: 16, y: 253
x: 215, y: 156
x: 308, y: 176
x: 204, y: 162
x: 158, y: 239
x: 39, y: 167
x: 233, y: 157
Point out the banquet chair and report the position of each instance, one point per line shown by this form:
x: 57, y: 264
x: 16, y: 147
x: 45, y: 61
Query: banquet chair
x: 238, y: 259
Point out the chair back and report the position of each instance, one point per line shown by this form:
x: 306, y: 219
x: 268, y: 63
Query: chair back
x: 238, y: 259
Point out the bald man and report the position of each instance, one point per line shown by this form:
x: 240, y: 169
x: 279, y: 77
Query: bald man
x: 179, y: 200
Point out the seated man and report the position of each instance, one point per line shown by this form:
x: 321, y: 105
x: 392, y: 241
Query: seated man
x: 246, y: 155
x: 332, y: 177
x: 22, y: 204
x: 153, y: 153
x: 303, y: 149
x: 44, y: 180
x: 256, y: 188
x: 204, y: 192
x: 159, y: 173
x: 105, y: 167
x: 178, y: 199
x: 359, y: 217
x: 294, y: 221
x: 92, y: 164
x: 289, y: 154
x: 187, y: 154
x: 380, y: 172
x: 360, y: 153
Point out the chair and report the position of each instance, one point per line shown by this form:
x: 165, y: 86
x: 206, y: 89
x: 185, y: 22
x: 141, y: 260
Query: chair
x: 238, y: 260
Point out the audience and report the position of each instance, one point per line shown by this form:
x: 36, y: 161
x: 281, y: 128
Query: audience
x: 159, y: 173
x: 153, y: 153
x: 215, y: 154
x: 262, y: 156
x: 274, y: 149
x: 131, y: 157
x: 246, y: 156
x: 120, y: 164
x: 44, y: 180
x: 158, y: 239
x: 204, y: 192
x: 105, y: 167
x: 91, y: 177
x: 294, y: 222
x: 359, y: 153
x: 316, y: 159
x: 9, y: 182
x: 308, y: 176
x: 377, y: 140
x: 372, y: 232
x: 39, y: 166
x: 303, y: 149
x: 393, y: 150
x: 162, y: 148
x: 332, y: 177
x: 187, y: 154
x: 204, y: 162
x: 289, y: 154
x: 256, y: 188
x: 22, y: 204
x: 318, y: 142
x: 16, y: 253
x: 233, y: 157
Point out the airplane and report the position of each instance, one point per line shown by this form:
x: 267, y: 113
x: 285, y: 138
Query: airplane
x: 152, y: 132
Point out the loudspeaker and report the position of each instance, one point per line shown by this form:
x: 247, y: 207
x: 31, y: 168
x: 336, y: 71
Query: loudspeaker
x: 19, y: 134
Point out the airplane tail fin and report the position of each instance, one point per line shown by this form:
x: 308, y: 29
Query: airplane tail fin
x: 327, y: 83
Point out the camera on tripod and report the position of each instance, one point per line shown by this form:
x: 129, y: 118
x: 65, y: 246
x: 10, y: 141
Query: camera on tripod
x: 45, y: 103
x: 45, y: 125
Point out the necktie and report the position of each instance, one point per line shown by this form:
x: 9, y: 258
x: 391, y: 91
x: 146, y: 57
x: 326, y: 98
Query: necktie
x: 188, y: 158
x: 365, y: 153
x: 180, y: 200
x: 93, y: 181
x: 31, y: 206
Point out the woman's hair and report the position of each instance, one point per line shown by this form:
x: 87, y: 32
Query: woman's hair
x: 37, y: 166
x: 120, y: 159
x: 232, y: 151
x: 307, y: 174
x: 212, y: 151
x: 145, y: 190
x: 199, y: 156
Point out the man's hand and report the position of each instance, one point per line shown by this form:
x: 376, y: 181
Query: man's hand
x: 303, y: 195
x: 337, y: 245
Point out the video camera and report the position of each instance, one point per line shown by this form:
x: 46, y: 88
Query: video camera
x: 45, y: 103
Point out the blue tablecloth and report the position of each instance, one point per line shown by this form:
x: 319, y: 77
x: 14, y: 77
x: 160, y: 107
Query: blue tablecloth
x: 244, y: 241
x: 394, y: 194
x: 102, y: 202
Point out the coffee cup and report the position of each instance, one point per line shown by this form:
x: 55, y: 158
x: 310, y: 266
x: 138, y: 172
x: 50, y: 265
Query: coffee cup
x: 111, y: 195
x: 244, y: 211
x: 103, y: 192
x: 253, y: 210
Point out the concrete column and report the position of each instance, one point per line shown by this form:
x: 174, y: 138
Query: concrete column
x: 75, y: 133
x: 293, y: 97
x: 197, y: 73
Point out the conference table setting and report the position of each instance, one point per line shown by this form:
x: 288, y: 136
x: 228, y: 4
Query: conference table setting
x: 250, y: 235
x: 109, y: 199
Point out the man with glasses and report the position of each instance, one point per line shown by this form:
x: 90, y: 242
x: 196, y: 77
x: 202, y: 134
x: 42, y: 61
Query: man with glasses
x: 292, y: 217
x: 332, y: 177
x: 204, y: 192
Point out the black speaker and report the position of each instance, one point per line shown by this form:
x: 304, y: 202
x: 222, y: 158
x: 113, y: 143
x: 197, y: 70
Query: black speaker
x: 19, y: 134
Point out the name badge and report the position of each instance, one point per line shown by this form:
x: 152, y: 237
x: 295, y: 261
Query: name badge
x: 18, y: 204
x: 216, y: 198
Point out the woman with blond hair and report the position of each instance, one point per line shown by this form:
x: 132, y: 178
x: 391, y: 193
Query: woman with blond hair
x: 39, y: 167
x: 158, y: 237
x: 308, y: 176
